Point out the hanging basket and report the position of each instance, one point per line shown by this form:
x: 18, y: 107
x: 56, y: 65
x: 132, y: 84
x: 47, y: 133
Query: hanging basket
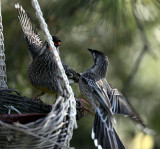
x: 40, y: 126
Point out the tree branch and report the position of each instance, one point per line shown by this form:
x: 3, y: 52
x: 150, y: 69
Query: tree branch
x: 146, y: 47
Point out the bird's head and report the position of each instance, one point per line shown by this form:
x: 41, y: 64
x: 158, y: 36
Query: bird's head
x: 57, y: 41
x: 98, y: 56
x: 100, y: 63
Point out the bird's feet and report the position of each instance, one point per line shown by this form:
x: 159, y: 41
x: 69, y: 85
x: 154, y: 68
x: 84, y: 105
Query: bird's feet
x: 36, y: 98
x: 81, y: 108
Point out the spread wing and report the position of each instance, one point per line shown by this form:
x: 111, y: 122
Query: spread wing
x: 120, y: 105
x: 33, y: 39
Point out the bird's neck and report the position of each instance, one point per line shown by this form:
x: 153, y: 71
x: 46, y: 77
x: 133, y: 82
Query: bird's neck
x: 100, y: 68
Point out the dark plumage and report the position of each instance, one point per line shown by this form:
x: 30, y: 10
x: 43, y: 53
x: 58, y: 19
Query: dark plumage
x: 106, y: 101
x: 43, y: 72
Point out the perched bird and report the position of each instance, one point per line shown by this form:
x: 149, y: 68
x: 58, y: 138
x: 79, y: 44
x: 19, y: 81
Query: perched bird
x: 43, y: 72
x: 106, y: 101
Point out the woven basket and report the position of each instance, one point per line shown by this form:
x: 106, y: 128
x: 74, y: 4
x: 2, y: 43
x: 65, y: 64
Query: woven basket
x: 47, y: 128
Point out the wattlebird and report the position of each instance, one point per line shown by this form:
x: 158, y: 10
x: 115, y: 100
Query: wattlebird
x: 106, y: 101
x: 43, y: 72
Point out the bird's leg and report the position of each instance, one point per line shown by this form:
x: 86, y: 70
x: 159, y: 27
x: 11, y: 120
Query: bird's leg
x: 37, y: 97
x: 83, y: 107
x: 85, y: 101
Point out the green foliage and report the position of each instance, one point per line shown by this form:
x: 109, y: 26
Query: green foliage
x: 107, y: 25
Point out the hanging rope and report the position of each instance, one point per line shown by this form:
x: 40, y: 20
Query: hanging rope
x: 53, y: 130
x: 71, y: 108
x: 3, y: 77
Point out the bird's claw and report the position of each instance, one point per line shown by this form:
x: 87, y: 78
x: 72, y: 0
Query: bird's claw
x: 82, y: 107
x: 36, y: 98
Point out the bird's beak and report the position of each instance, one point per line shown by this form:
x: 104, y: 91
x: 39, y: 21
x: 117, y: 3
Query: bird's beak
x: 93, y: 54
x: 90, y: 50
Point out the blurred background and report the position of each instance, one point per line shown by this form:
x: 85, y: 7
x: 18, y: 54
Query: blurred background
x: 127, y: 31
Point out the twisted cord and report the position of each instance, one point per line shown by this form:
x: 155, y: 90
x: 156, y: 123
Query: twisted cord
x: 70, y: 102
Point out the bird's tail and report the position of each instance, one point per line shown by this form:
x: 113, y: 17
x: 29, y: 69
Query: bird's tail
x: 103, y: 133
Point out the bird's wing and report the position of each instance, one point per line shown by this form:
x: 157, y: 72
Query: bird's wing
x: 103, y: 133
x: 120, y: 105
x: 95, y: 88
x: 33, y: 39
